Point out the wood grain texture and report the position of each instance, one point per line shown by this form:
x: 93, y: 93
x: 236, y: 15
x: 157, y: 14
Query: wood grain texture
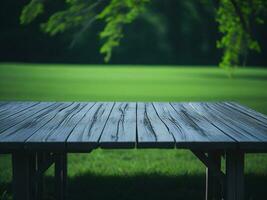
x: 15, y: 129
x: 56, y: 131
x: 86, y: 134
x: 22, y: 131
x: 120, y: 129
x: 82, y: 126
x: 151, y: 131
x: 204, y: 125
x: 223, y: 122
x: 254, y: 117
x: 188, y: 127
x: 248, y: 125
x: 14, y: 115
x: 15, y: 108
x: 9, y: 105
x: 258, y: 117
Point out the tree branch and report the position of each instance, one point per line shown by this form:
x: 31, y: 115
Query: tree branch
x: 87, y: 24
x: 85, y: 27
x: 240, y: 15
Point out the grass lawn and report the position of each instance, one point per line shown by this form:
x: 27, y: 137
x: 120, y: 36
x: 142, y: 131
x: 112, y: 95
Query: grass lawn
x: 136, y: 174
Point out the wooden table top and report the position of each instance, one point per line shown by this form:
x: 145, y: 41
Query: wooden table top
x: 82, y: 126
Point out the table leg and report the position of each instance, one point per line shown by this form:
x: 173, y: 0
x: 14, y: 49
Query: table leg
x: 32, y: 172
x: 234, y: 175
x: 40, y: 181
x: 213, y: 184
x: 22, y: 170
x: 61, y: 175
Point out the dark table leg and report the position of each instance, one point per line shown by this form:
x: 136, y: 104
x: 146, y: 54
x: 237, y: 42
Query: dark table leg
x: 32, y: 172
x: 61, y: 175
x: 213, y: 184
x: 23, y: 169
x: 40, y: 179
x: 234, y: 175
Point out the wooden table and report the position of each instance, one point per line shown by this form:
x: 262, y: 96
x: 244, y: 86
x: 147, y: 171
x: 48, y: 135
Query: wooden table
x: 39, y: 134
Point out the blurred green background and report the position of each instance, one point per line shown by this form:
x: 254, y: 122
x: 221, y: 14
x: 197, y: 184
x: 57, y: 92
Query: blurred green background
x: 172, y: 32
x: 169, y: 54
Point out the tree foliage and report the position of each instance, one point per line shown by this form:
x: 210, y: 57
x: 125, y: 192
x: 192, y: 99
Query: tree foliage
x: 31, y: 11
x: 82, y: 13
x: 236, y: 18
x: 116, y: 15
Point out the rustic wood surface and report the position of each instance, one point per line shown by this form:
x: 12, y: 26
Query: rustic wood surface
x: 82, y: 126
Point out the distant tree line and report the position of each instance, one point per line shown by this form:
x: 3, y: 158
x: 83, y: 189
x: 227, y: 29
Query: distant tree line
x: 159, y: 32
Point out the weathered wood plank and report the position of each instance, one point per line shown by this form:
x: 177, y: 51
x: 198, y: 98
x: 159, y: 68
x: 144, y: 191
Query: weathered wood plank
x: 7, y: 105
x: 13, y: 119
x: 250, y: 115
x: 17, y: 109
x: 188, y: 127
x: 86, y: 134
x: 151, y: 131
x: 199, y: 129
x: 22, y: 131
x: 11, y: 125
x: 55, y: 133
x: 223, y: 122
x: 120, y: 130
x: 11, y: 104
x: 248, y: 125
x: 83, y: 126
x: 259, y: 117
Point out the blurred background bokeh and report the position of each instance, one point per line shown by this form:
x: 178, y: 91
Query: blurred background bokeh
x: 168, y: 54
x: 171, y: 32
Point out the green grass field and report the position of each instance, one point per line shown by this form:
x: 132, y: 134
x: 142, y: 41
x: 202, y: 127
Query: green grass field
x: 136, y: 174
